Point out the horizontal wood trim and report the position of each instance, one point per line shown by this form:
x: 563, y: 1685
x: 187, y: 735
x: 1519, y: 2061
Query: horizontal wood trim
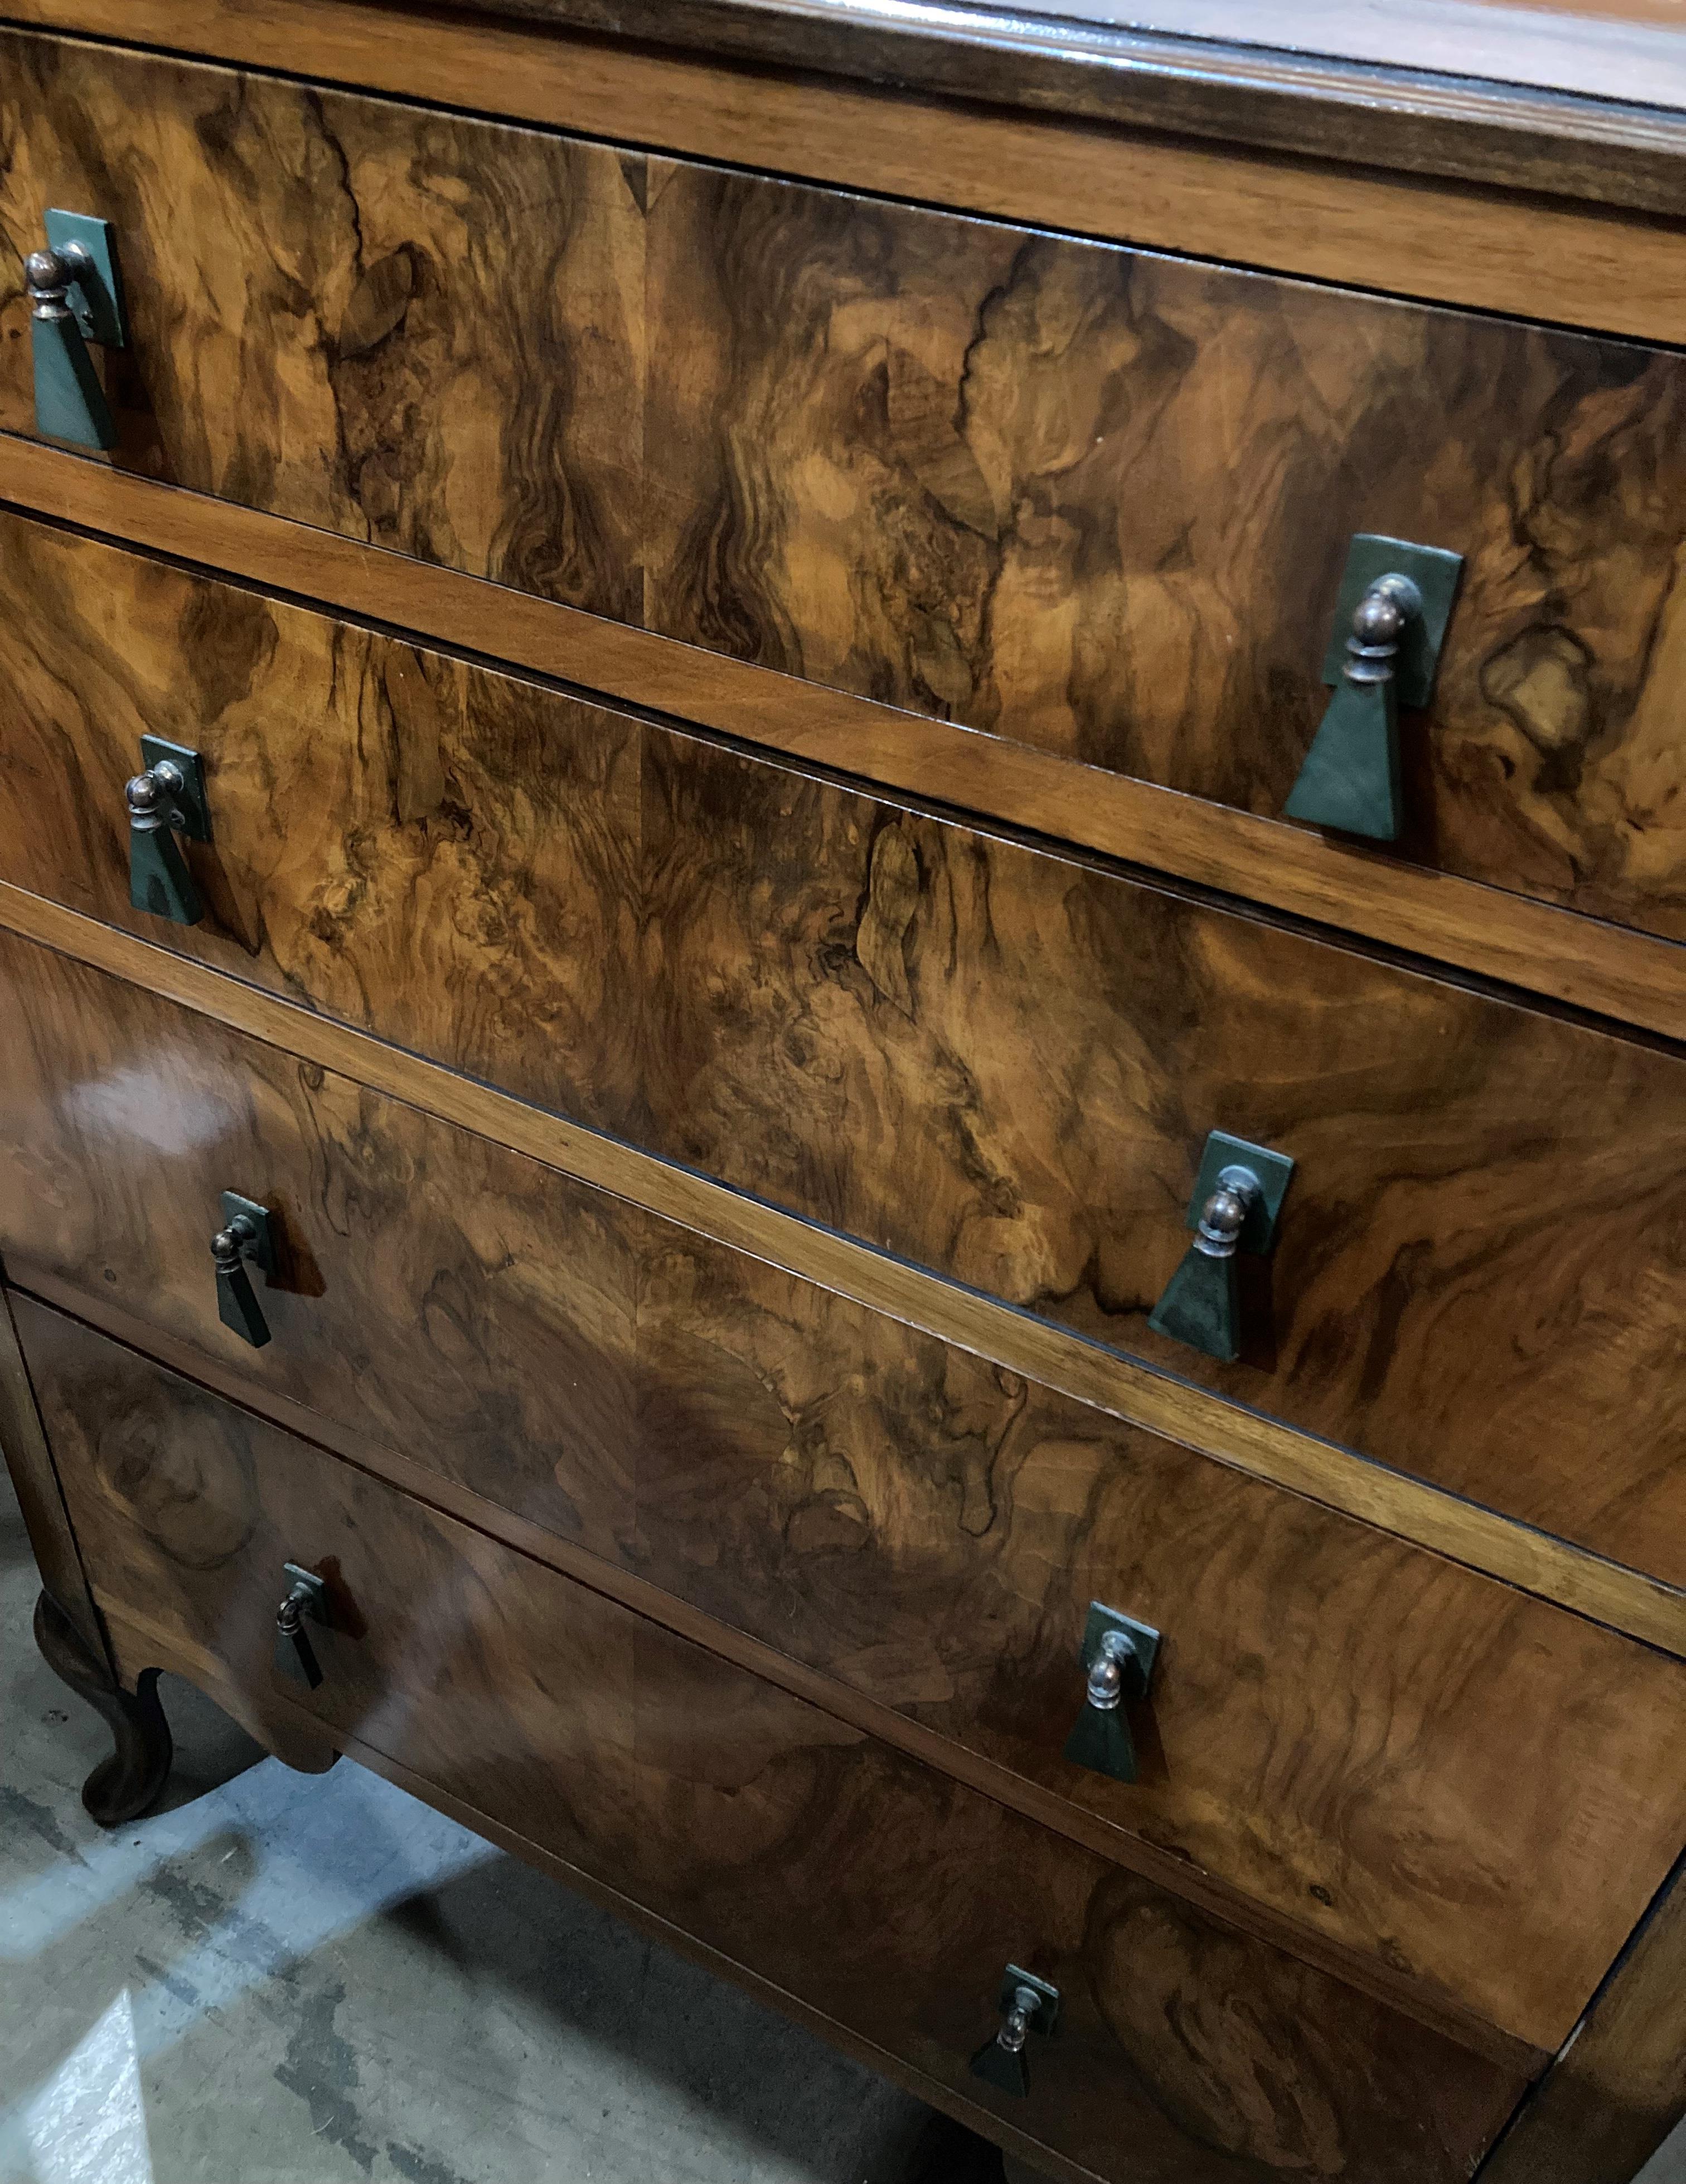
x: 1605, y: 969
x: 1536, y: 258
x: 1572, y: 115
x: 1444, y: 2012
x: 1623, y: 1599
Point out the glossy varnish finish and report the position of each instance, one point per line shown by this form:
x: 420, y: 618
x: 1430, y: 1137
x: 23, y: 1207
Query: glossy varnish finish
x: 1100, y: 502
x: 996, y: 1061
x: 922, y: 1525
x: 1614, y: 971
x: 1040, y: 1350
x: 1004, y: 1064
x: 755, y: 1823
x: 407, y: 326
x: 441, y: 856
x: 1082, y: 497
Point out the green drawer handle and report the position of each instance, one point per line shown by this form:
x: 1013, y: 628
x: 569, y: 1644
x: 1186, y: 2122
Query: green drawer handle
x: 1390, y: 624
x: 166, y: 803
x: 1237, y: 1197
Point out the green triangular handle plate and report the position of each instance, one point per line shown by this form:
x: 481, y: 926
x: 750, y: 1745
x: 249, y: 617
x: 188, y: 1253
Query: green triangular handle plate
x: 69, y: 402
x: 1350, y: 780
x: 159, y: 882
x: 1102, y: 1743
x: 1007, y: 2073
x: 1202, y: 1306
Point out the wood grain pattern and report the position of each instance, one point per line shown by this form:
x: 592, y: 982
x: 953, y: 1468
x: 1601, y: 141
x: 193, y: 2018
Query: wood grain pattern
x: 1003, y: 1065
x: 1339, y: 1722
x: 1620, y: 2088
x: 1099, y: 501
x: 998, y: 1063
x: 1495, y: 249
x: 664, y: 1771
x: 415, y: 329
x: 1603, y: 132
x: 1609, y: 970
x: 444, y: 857
x: 1086, y: 498
x: 441, y: 1294
x: 40, y: 1500
x: 1370, y: 1974
x: 1105, y: 1379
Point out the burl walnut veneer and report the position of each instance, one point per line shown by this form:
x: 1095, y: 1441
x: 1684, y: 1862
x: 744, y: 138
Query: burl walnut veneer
x: 845, y: 889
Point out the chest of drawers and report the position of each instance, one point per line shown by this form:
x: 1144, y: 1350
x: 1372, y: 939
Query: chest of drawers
x: 843, y: 921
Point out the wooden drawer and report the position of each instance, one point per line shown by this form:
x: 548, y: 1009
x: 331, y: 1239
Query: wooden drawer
x: 995, y: 1062
x: 1342, y: 1729
x: 1087, y: 499
x: 869, y: 1888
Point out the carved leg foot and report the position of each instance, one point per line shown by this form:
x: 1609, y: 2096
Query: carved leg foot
x: 123, y: 1787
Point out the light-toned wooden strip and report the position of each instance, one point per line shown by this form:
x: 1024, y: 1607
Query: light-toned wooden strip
x: 1442, y: 241
x: 1607, y: 969
x: 1624, y: 1599
x: 1444, y: 2011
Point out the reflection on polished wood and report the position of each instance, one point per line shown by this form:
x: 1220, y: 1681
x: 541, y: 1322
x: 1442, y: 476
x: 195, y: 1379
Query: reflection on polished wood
x: 666, y: 1774
x: 1626, y: 1599
x: 1091, y: 500
x: 1609, y: 970
x: 921, y: 1524
x: 992, y: 1060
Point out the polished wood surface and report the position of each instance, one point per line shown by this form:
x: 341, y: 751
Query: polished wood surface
x: 1100, y: 502
x: 1497, y: 250
x: 1620, y: 2088
x: 1371, y: 1975
x: 1626, y: 1599
x: 416, y: 329
x: 880, y: 442
x: 1609, y: 970
x: 997, y: 1062
x: 441, y: 856
x: 921, y: 1524
x: 436, y: 1292
x: 40, y: 1503
x: 1003, y: 1065
x: 667, y: 1774
x: 1335, y: 1721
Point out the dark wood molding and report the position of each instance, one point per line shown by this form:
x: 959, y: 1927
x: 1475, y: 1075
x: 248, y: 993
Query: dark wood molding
x: 1514, y: 134
x: 1324, y: 216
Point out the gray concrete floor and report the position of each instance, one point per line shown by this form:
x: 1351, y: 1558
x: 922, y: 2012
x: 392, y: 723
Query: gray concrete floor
x: 288, y: 1979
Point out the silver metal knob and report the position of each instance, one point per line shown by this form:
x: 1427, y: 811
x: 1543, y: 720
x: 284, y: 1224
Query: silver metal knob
x: 1224, y: 1215
x: 1105, y: 1684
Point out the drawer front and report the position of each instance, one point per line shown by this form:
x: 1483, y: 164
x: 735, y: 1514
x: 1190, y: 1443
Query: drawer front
x: 399, y: 325
x: 997, y: 1062
x: 1340, y: 1727
x: 1080, y: 497
x: 868, y: 1887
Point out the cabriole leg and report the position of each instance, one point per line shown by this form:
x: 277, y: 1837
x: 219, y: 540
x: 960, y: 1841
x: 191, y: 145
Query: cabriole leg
x: 126, y: 1785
